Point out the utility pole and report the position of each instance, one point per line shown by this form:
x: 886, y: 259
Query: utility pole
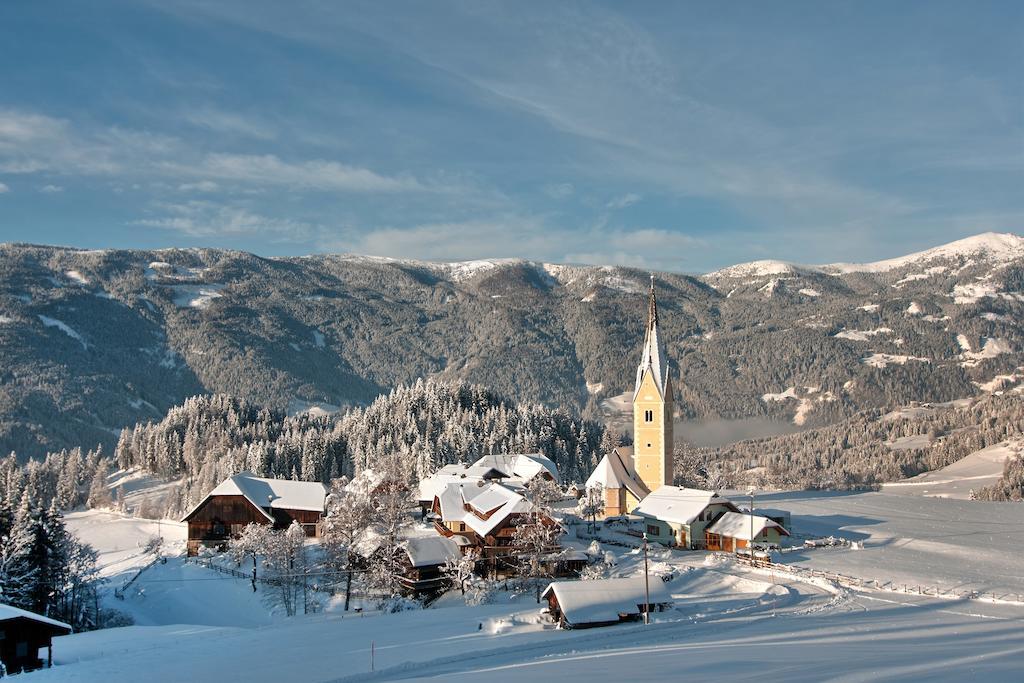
x: 647, y: 583
x: 751, y: 547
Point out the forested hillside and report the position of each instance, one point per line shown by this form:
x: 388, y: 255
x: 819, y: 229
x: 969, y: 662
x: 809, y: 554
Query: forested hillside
x: 865, y: 450
x: 93, y: 341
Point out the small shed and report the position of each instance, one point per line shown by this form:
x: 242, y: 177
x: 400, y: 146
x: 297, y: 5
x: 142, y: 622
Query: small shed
x: 23, y: 634
x: 585, y: 604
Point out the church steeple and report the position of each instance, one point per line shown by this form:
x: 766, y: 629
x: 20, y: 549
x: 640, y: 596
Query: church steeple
x: 654, y: 360
x: 653, y: 409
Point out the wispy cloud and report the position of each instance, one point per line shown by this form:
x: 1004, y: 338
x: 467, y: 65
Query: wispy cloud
x: 528, y: 237
x: 317, y: 174
x: 51, y: 189
x: 210, y: 219
x: 4, y: 188
x: 625, y: 200
x: 231, y: 123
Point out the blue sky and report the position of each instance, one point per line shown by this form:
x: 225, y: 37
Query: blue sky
x: 677, y: 136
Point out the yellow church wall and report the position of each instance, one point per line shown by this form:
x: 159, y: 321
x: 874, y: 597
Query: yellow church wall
x: 653, y: 441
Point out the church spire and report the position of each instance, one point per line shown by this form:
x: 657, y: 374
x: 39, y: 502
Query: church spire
x: 654, y: 360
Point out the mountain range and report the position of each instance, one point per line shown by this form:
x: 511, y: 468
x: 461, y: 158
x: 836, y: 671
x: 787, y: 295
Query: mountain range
x: 95, y: 340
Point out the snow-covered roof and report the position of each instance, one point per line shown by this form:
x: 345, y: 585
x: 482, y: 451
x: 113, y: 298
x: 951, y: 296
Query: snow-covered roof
x: 521, y: 465
x: 493, y: 501
x: 738, y: 525
x: 266, y: 494
x: 428, y: 551
x: 654, y: 360
x: 517, y: 470
x: 10, y: 612
x: 678, y: 504
x: 615, y: 471
x: 603, y: 600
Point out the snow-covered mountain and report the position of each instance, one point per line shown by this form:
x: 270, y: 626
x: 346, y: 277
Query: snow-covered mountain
x: 988, y: 247
x: 91, y: 341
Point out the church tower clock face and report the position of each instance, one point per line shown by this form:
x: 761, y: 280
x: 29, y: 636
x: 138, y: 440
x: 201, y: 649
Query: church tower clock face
x: 653, y: 407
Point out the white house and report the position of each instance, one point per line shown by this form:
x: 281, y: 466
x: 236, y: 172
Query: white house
x: 674, y: 515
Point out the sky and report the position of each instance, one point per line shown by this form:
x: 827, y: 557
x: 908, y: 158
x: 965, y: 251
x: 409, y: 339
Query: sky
x: 672, y: 136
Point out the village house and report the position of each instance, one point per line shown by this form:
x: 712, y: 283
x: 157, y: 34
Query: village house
x: 23, y: 634
x: 734, y: 531
x: 486, y: 515
x: 246, y: 499
x: 585, y: 604
x: 677, y: 516
x: 424, y: 559
x: 515, y: 471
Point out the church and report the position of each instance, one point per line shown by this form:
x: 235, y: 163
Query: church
x: 629, y: 474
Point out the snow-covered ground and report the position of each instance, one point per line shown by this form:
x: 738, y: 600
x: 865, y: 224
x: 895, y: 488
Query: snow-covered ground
x: 952, y: 544
x: 726, y: 620
x: 979, y: 469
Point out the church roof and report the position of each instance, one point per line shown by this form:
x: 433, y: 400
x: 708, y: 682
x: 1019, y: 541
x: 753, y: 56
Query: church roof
x: 615, y: 471
x: 654, y: 360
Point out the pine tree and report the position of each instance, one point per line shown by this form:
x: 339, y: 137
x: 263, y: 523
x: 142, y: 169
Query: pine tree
x: 99, y: 493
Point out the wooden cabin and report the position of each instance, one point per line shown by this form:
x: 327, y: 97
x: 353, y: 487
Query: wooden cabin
x: 424, y: 560
x: 586, y: 604
x: 734, y: 530
x: 246, y: 499
x: 487, y: 516
x: 23, y: 634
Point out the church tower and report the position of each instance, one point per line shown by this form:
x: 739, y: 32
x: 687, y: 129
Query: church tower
x: 653, y: 442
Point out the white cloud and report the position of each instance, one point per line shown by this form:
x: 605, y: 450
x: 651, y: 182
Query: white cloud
x: 625, y: 200
x: 206, y: 219
x: 200, y: 186
x: 528, y: 237
x: 4, y: 188
x: 231, y: 123
x: 51, y: 189
x: 559, y: 190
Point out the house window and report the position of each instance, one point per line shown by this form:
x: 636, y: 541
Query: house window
x: 648, y: 445
x: 653, y: 530
x: 648, y: 416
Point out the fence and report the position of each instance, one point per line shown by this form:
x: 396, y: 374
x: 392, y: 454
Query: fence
x: 891, y: 586
x: 120, y: 592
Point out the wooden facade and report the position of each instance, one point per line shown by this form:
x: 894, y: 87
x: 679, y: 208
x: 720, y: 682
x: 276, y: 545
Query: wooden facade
x: 223, y: 517
x: 21, y: 638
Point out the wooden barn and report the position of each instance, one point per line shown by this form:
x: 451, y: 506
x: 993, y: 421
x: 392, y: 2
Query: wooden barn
x: 585, y: 604
x: 246, y: 499
x: 23, y: 634
x: 734, y: 530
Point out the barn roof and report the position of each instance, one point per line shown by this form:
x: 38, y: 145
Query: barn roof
x: 737, y: 525
x: 615, y: 472
x: 603, y: 600
x: 267, y: 494
x: 8, y: 612
x: 678, y: 504
x: 428, y: 551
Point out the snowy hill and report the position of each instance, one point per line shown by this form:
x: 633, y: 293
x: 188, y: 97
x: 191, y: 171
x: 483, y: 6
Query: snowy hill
x: 93, y: 341
x: 992, y: 247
